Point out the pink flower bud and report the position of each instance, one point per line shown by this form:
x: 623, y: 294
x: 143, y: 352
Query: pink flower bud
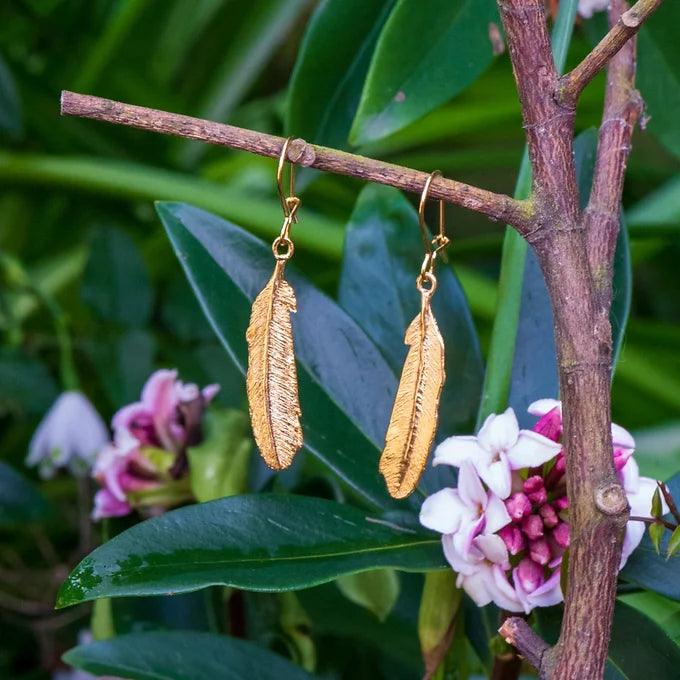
x: 561, y: 534
x: 561, y: 504
x: 530, y: 574
x: 539, y: 551
x: 535, y: 490
x: 513, y: 538
x: 518, y: 505
x: 532, y: 526
x: 556, y: 472
x: 549, y: 516
x: 550, y: 425
x: 621, y: 457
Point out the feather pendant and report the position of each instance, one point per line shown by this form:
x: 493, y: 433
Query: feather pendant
x: 414, y: 416
x: 271, y: 380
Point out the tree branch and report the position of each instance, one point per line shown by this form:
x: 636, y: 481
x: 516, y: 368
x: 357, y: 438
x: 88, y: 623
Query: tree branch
x: 627, y: 25
x: 498, y: 207
x: 518, y: 633
x: 549, y: 126
x: 622, y: 108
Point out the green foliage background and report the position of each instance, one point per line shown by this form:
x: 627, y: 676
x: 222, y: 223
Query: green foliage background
x: 385, y: 78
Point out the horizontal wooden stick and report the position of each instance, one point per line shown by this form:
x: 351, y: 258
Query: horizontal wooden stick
x: 499, y: 207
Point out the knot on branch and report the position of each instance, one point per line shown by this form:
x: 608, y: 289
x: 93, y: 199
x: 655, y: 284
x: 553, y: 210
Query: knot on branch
x: 632, y: 18
x: 611, y: 500
x: 301, y: 153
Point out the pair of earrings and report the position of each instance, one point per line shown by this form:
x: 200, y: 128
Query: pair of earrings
x: 271, y: 380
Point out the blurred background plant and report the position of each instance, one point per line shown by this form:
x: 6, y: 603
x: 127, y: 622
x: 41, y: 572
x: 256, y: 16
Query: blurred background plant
x: 92, y: 295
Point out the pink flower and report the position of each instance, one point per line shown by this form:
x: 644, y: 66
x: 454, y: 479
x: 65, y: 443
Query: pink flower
x: 499, y: 448
x: 168, y: 413
x: 160, y: 426
x: 69, y: 436
x: 586, y: 8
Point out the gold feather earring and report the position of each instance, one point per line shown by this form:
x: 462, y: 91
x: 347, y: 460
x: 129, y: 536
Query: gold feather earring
x: 271, y: 380
x: 413, y: 422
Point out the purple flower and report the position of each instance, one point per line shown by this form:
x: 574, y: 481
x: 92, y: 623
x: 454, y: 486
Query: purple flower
x: 69, y: 436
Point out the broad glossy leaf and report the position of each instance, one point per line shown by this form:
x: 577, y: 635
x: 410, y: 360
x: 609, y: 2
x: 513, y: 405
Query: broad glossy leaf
x: 376, y: 590
x: 423, y: 59
x: 639, y: 647
x: 20, y: 501
x: 331, y: 67
x: 659, y: 209
x: 383, y: 255
x: 650, y: 570
x: 182, y: 655
x: 255, y: 542
x: 116, y: 283
x: 659, y: 74
x: 346, y: 387
x: 10, y: 109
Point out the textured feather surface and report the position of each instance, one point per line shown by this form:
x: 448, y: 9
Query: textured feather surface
x: 414, y: 417
x: 271, y: 381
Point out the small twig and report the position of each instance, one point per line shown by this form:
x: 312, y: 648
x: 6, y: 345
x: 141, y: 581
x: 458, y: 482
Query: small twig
x: 498, y: 207
x: 669, y: 501
x: 572, y: 84
x: 653, y: 520
x: 518, y: 633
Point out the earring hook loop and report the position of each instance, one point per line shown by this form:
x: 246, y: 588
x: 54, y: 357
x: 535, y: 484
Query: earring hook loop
x: 432, y: 245
x: 289, y: 203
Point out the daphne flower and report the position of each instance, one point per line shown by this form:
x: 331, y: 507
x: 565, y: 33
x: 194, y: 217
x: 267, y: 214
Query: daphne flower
x: 69, y: 436
x: 639, y: 490
x: 586, y: 8
x: 499, y: 448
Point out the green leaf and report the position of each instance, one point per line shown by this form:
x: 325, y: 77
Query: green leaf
x: 656, y: 533
x: 219, y: 465
x: 673, y: 543
x: 124, y: 362
x: 383, y: 254
x: 256, y: 542
x: 20, y: 501
x: 376, y: 590
x: 131, y: 181
x: 182, y: 655
x: 659, y: 74
x: 657, y: 450
x: 346, y: 387
x: 657, y: 507
x: 423, y: 59
x: 647, y: 569
x: 439, y: 607
x: 639, y: 646
x: 10, y: 109
x: 116, y: 283
x: 266, y: 26
x: 331, y: 67
x: 25, y: 384
x: 660, y: 209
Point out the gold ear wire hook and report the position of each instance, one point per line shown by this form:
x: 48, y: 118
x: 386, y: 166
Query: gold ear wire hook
x: 291, y: 202
x: 432, y: 245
